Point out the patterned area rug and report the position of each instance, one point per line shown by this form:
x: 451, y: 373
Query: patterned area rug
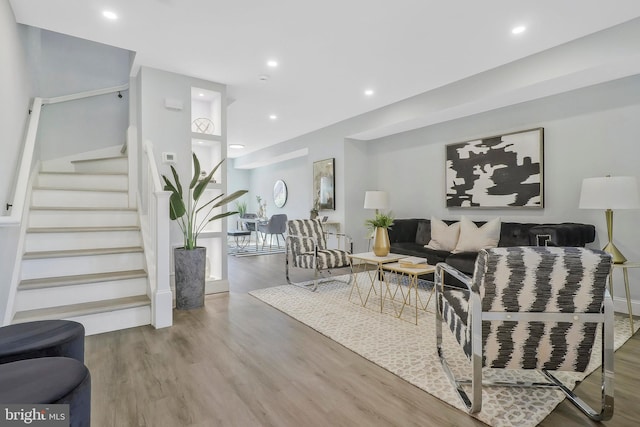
x: 409, y: 351
x: 242, y: 248
x: 251, y: 251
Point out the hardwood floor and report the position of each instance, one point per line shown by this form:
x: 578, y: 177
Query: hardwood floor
x: 240, y: 362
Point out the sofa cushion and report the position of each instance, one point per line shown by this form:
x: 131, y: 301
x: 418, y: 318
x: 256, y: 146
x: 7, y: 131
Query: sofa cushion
x: 463, y: 261
x: 423, y: 233
x: 403, y: 230
x: 515, y: 234
x: 443, y: 237
x: 565, y: 234
x: 473, y: 238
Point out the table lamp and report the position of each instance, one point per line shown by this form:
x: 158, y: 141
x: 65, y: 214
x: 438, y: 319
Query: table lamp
x: 376, y: 200
x: 609, y: 193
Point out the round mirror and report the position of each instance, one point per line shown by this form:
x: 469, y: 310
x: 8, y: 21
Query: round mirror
x: 280, y: 193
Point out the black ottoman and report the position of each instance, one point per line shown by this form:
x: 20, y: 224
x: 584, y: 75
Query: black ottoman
x: 43, y: 338
x: 49, y: 380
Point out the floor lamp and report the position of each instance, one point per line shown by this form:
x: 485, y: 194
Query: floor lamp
x: 609, y: 193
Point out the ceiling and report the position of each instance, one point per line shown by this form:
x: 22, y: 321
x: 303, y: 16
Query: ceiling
x: 328, y: 52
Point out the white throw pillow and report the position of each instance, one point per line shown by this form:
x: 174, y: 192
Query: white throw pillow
x: 472, y: 238
x: 443, y: 237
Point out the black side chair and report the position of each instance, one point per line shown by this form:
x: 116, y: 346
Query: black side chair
x: 277, y: 225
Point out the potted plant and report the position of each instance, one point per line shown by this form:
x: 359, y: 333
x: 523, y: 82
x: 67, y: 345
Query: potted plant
x: 380, y: 224
x: 262, y: 208
x: 189, y: 260
x: 241, y: 207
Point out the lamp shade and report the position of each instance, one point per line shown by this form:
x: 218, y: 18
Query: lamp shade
x: 376, y: 200
x: 610, y: 192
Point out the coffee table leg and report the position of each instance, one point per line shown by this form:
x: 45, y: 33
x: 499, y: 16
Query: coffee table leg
x: 626, y: 289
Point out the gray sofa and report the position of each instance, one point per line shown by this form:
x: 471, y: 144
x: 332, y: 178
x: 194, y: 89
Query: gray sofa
x: 408, y: 237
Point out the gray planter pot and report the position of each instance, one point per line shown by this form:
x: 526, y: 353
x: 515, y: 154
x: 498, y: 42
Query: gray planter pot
x: 190, y: 277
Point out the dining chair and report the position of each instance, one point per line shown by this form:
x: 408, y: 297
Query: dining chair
x: 277, y: 225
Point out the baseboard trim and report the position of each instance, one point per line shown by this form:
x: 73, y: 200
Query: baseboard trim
x: 620, y: 306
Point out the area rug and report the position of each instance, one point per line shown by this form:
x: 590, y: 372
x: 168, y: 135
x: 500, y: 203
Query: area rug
x: 250, y: 250
x: 409, y: 351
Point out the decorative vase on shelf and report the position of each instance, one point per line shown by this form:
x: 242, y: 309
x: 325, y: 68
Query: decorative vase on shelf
x: 381, y: 245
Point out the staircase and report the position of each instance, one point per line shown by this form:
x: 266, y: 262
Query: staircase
x: 83, y: 258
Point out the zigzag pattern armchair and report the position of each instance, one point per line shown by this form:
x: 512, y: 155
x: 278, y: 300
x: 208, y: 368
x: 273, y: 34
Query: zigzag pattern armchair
x: 530, y: 308
x: 307, y: 248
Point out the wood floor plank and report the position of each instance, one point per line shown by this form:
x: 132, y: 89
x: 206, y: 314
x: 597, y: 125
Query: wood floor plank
x: 240, y: 362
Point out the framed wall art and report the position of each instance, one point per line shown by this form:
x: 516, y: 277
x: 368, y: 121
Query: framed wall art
x: 500, y: 171
x: 324, y: 184
x: 279, y: 193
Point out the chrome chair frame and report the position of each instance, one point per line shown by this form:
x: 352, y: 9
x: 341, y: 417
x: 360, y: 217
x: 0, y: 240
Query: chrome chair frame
x: 317, y: 279
x: 473, y: 403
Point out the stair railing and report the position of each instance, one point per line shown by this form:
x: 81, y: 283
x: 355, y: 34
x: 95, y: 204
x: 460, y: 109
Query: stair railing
x: 24, y: 169
x: 154, y: 221
x: 17, y: 218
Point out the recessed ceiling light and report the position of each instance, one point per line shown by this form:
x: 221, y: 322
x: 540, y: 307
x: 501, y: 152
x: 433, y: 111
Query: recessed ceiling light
x: 109, y: 15
x: 236, y: 146
x: 368, y: 92
x: 201, y: 94
x: 519, y: 29
x: 273, y: 116
x: 272, y: 63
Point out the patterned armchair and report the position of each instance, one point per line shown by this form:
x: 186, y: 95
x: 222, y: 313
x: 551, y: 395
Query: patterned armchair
x: 307, y: 248
x: 530, y: 308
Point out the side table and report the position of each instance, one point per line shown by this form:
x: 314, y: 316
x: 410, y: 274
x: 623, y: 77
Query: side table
x: 360, y: 266
x: 625, y: 274
x: 412, y: 273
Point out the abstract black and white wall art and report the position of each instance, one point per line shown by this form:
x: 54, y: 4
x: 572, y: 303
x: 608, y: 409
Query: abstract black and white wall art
x: 496, y: 172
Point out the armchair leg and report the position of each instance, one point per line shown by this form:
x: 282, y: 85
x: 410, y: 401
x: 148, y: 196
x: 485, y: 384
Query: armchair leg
x: 317, y: 279
x: 473, y: 404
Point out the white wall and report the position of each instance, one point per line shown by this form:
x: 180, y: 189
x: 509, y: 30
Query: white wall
x: 16, y: 91
x: 296, y: 176
x: 169, y: 130
x: 65, y: 65
x: 583, y: 138
x: 238, y: 179
x: 591, y: 132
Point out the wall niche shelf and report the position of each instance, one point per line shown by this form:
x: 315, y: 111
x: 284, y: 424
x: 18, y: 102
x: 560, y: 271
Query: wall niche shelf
x: 208, y: 143
x: 206, y: 112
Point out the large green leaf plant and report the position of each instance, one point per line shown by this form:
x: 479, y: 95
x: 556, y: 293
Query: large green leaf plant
x: 183, y: 206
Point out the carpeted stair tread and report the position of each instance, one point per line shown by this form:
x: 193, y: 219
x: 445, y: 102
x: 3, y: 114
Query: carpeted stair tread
x: 83, y: 309
x: 51, y: 282
x: 81, y: 252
